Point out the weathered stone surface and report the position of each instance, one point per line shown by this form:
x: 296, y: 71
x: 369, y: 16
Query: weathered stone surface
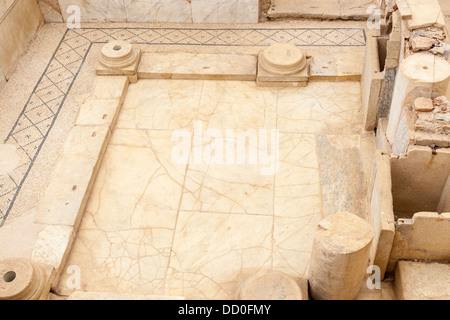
x: 422, y: 43
x: 182, y: 11
x: 49, y: 13
x: 108, y: 296
x: 53, y: 246
x: 118, y: 58
x: 64, y: 199
x: 422, y: 104
x: 381, y: 212
x: 425, y: 13
x: 320, y: 9
x: 371, y: 82
x: 19, y: 22
x: 421, y: 75
x: 424, y: 237
x: 99, y: 113
x: 23, y: 279
x: 340, y: 257
x: 422, y: 281
x: 422, y: 190
x: 273, y: 285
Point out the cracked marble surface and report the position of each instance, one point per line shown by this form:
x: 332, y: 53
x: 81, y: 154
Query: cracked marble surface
x: 197, y: 230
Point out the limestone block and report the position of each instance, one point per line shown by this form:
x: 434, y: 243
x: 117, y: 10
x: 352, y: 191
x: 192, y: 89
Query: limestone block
x: 99, y: 296
x: 273, y: 285
x: 424, y: 237
x: 53, y: 247
x: 23, y: 279
x: 19, y: 22
x: 422, y: 281
x: 118, y: 58
x: 420, y: 75
x: 65, y: 197
x: 198, y: 66
x: 340, y: 257
x: 425, y: 13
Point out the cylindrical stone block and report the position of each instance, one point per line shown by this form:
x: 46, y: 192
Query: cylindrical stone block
x: 272, y: 285
x: 340, y: 257
x: 420, y: 75
x: 21, y: 279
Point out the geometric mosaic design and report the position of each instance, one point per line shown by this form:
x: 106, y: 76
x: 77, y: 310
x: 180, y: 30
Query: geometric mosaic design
x: 39, y: 114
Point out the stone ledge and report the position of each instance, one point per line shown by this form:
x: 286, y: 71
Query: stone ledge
x: 193, y: 66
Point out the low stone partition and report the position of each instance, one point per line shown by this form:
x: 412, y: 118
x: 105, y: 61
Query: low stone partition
x: 19, y: 22
x: 409, y: 206
x: 424, y: 237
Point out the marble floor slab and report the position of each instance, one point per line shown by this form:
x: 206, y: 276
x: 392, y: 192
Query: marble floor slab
x: 198, y: 228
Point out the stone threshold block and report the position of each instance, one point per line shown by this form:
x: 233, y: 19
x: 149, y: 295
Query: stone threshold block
x: 192, y: 66
x: 422, y: 281
x: 65, y: 197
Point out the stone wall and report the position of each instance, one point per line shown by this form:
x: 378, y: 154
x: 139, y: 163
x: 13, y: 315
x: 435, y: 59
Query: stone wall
x: 182, y: 11
x: 19, y: 22
x: 419, y: 180
x: 424, y: 237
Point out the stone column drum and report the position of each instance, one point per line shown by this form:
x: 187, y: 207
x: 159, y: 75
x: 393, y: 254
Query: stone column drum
x: 22, y: 279
x: 340, y: 257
